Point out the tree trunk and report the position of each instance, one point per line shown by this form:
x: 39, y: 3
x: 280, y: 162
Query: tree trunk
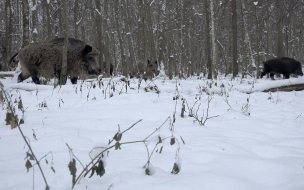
x: 247, y: 40
x: 170, y: 65
x: 99, y: 34
x: 213, y: 43
x: 280, y: 42
x: 235, y: 68
x: 48, y: 20
x: 26, y: 23
x: 150, y: 37
x: 76, y: 17
x: 34, y: 21
x: 129, y: 34
x: 7, y: 38
x: 208, y: 42
x: 107, y: 54
x: 121, y: 43
x: 63, y: 74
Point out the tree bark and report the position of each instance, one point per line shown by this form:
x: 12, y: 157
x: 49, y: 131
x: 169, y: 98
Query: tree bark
x: 76, y: 17
x: 63, y: 74
x: 129, y: 33
x: 7, y: 38
x: 280, y: 42
x: 235, y: 68
x: 208, y: 42
x: 120, y: 34
x: 170, y: 65
x: 34, y: 21
x: 247, y: 40
x: 213, y: 43
x: 99, y: 33
x: 26, y: 23
x: 48, y: 20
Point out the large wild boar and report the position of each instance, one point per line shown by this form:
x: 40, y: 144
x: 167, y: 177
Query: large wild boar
x: 44, y: 59
x: 283, y: 65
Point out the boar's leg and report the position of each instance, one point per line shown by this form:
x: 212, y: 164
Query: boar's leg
x: 272, y: 76
x: 286, y: 75
x: 20, y: 78
x: 74, y: 80
x: 35, y: 80
x: 34, y: 75
x: 265, y: 71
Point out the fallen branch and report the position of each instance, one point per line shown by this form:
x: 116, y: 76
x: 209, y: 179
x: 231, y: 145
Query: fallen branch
x: 293, y: 87
x: 3, y: 75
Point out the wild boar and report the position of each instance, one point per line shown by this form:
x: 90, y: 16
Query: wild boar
x: 283, y: 65
x: 44, y: 59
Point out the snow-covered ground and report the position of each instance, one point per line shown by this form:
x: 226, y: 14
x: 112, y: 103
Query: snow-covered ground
x: 251, y: 141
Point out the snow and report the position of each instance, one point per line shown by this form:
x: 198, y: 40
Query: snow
x: 35, y: 31
x: 256, y: 142
x: 34, y: 8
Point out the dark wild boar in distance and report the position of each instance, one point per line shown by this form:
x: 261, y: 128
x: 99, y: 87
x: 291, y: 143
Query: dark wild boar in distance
x: 283, y: 65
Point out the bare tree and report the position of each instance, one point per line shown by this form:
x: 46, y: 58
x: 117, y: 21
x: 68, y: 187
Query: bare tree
x: 34, y: 21
x: 197, y: 37
x: 6, y: 38
x: 213, y: 43
x: 247, y: 41
x: 26, y: 23
x: 76, y: 17
x: 235, y: 68
x: 48, y: 19
x: 99, y: 33
x: 280, y: 41
x: 63, y: 74
x: 120, y: 33
x: 208, y: 42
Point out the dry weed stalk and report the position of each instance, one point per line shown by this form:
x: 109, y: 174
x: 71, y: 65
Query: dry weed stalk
x: 31, y: 153
x: 96, y: 163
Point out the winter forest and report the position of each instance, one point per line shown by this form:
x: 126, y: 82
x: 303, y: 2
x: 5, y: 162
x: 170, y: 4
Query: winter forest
x: 185, y: 37
x: 173, y: 96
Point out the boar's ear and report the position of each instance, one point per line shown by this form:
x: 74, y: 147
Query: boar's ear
x: 87, y: 49
x: 94, y: 52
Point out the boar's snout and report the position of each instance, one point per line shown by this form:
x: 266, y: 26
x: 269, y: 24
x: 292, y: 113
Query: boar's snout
x: 95, y: 71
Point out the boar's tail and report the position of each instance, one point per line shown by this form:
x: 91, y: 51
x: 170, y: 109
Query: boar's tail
x: 12, y: 58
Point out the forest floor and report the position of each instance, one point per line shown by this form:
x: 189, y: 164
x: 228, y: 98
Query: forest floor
x: 220, y: 134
